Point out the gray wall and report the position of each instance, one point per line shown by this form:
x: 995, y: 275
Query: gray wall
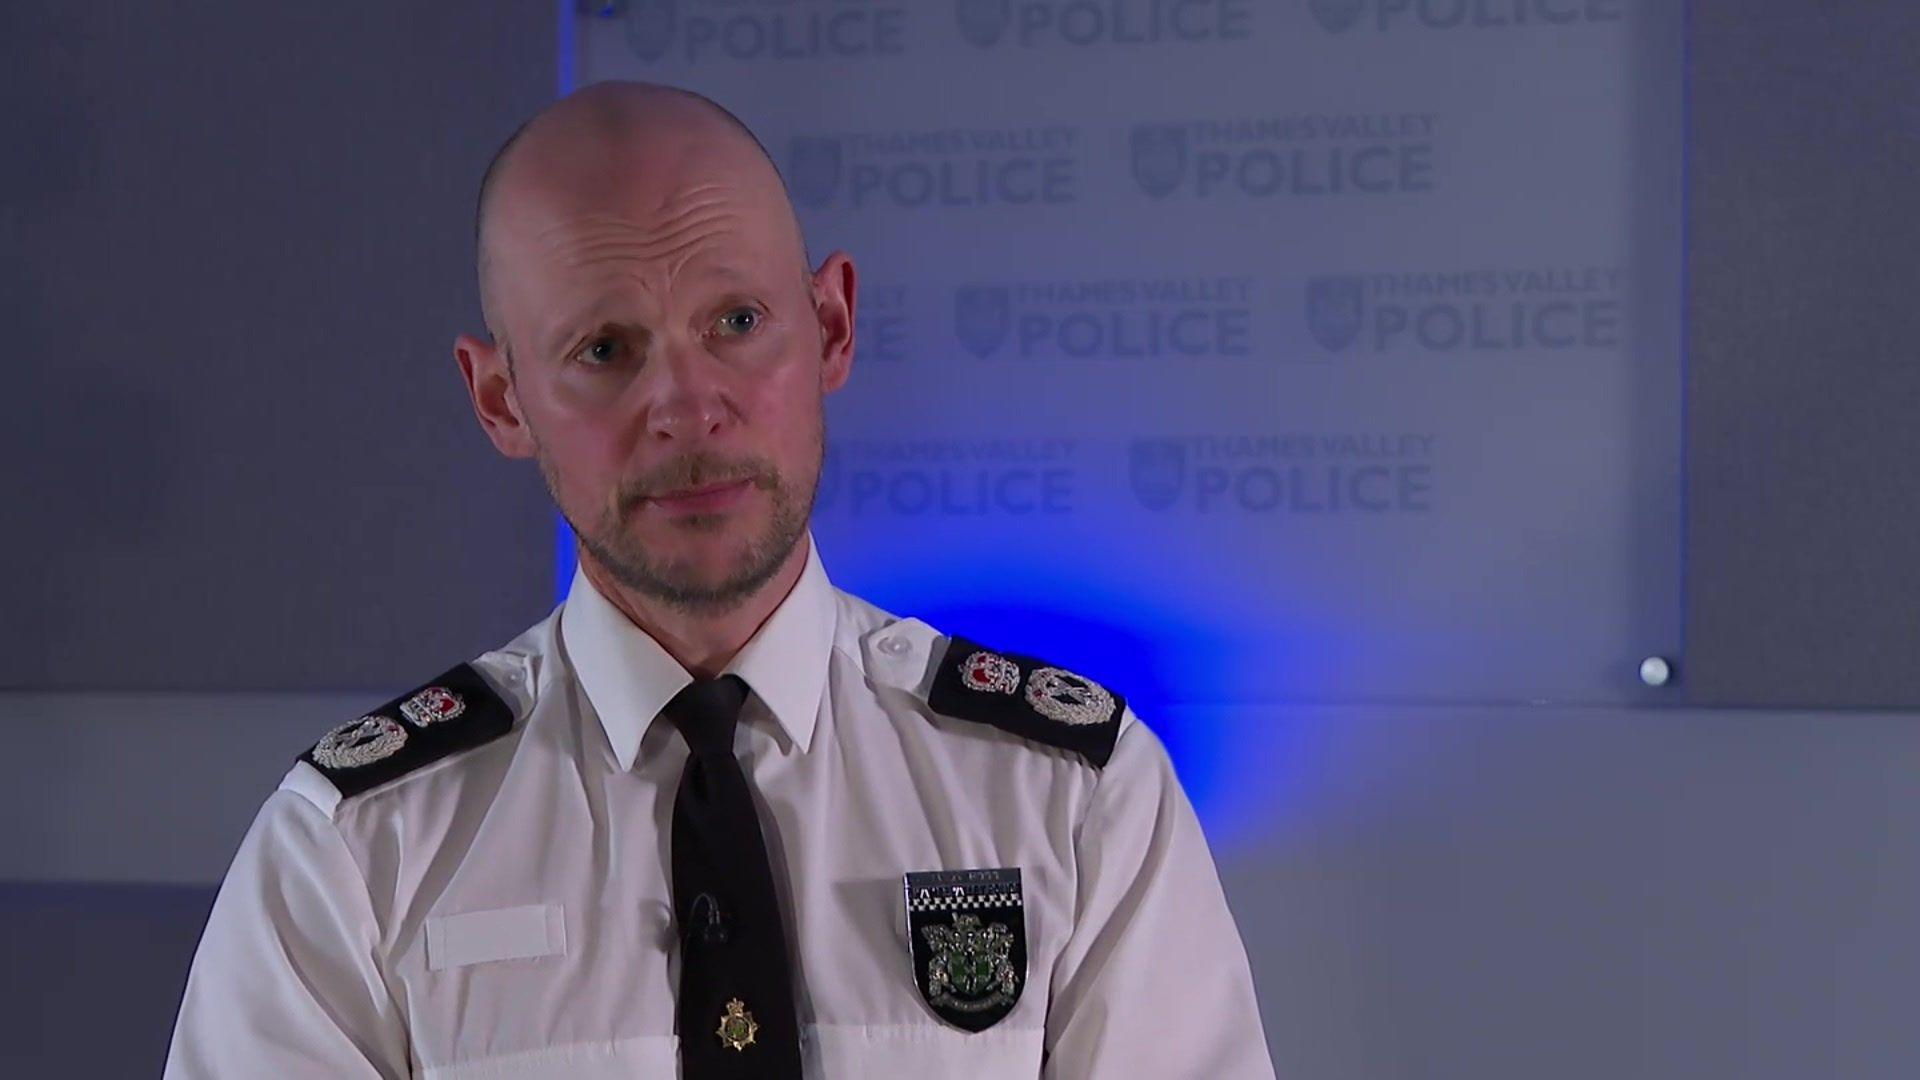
x: 1803, y: 455
x: 1586, y: 894
x: 239, y: 253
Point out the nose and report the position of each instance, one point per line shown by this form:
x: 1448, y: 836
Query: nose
x: 685, y: 395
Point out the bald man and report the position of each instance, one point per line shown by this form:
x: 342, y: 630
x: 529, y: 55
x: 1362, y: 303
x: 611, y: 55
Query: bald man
x: 712, y: 816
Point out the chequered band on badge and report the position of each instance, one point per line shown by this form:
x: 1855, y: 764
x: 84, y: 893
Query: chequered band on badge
x: 967, y: 933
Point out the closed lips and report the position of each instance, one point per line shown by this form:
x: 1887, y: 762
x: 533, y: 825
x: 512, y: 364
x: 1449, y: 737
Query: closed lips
x: 700, y: 490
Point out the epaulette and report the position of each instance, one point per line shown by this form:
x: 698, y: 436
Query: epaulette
x: 1028, y: 697
x: 455, y: 712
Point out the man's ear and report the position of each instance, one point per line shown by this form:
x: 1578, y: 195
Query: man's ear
x: 490, y: 385
x: 835, y: 287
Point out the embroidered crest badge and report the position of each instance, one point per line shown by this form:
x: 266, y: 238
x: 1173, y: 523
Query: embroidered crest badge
x: 1028, y: 697
x: 359, y: 742
x: 454, y: 712
x: 969, y: 942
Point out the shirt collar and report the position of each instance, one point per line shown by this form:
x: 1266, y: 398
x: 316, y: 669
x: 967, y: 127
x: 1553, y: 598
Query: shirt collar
x: 629, y: 677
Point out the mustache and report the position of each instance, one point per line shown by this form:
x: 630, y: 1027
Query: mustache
x: 696, y: 471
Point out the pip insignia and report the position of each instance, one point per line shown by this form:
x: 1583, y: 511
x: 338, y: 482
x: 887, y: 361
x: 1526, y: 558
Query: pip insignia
x: 969, y: 943
x: 1028, y: 697
x: 454, y: 712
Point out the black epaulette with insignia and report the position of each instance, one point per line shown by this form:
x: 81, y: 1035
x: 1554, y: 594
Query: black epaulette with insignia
x: 454, y: 712
x: 1028, y: 697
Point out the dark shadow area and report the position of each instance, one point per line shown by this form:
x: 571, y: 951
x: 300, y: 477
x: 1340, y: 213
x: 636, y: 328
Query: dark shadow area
x: 114, y: 954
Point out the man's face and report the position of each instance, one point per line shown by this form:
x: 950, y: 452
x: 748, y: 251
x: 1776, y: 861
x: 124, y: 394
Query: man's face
x: 666, y: 339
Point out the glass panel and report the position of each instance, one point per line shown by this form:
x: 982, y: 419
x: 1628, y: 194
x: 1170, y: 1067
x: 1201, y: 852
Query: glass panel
x: 1237, y: 351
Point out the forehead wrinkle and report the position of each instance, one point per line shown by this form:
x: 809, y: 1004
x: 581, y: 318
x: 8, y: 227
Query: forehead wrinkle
x: 643, y: 246
x: 673, y: 258
x: 688, y: 204
x: 621, y: 238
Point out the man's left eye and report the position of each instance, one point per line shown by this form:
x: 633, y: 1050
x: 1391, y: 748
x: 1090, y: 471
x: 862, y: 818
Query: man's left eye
x: 740, y: 320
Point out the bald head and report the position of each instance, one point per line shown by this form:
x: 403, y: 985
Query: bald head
x: 608, y: 138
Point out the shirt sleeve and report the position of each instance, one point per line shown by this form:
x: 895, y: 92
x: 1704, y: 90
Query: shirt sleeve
x: 1153, y: 980
x: 285, y: 982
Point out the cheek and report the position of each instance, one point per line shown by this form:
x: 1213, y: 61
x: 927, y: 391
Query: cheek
x: 580, y: 459
x: 793, y: 405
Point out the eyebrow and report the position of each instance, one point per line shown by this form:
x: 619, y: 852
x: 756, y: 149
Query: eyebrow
x: 566, y: 329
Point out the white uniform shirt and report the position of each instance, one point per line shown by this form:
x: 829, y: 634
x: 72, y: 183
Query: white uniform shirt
x: 505, y: 911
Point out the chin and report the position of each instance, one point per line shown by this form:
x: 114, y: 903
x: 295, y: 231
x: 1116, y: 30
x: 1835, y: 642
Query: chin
x: 711, y: 545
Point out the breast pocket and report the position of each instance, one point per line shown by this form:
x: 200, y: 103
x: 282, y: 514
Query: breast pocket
x: 541, y: 991
x: 644, y: 1058
x: 929, y: 1051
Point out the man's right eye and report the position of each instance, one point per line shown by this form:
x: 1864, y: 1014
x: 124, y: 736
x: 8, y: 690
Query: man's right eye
x: 600, y: 351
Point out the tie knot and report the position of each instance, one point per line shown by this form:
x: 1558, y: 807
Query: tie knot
x: 705, y: 711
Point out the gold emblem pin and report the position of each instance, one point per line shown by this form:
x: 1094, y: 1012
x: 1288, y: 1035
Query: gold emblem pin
x: 737, y: 1027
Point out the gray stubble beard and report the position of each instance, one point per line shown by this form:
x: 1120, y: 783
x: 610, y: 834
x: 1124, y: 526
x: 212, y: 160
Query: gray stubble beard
x: 669, y: 584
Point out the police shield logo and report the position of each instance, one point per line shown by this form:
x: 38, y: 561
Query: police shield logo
x: 1333, y: 310
x: 968, y: 936
x: 981, y: 316
x: 1158, y: 470
x: 813, y: 168
x: 650, y: 25
x: 1159, y: 153
x: 1337, y: 16
x: 982, y: 21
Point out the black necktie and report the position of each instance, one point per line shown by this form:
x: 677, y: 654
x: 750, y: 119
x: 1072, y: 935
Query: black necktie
x: 736, y: 1016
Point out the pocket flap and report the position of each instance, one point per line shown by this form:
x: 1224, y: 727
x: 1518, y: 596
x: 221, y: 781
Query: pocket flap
x: 474, y: 937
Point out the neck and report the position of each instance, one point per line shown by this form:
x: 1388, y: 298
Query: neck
x: 703, y: 642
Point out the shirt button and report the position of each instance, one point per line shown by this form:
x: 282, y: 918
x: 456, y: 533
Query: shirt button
x: 895, y: 646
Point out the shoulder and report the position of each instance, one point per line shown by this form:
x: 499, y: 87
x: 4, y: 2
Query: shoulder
x: 956, y: 676
x: 464, y: 707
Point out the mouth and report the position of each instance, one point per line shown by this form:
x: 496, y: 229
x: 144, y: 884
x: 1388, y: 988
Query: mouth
x: 701, y: 500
